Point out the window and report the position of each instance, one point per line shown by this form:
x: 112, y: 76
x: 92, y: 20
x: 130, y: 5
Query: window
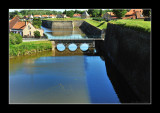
x: 29, y: 27
x: 30, y: 33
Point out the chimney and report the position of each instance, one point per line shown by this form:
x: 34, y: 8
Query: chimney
x: 25, y: 23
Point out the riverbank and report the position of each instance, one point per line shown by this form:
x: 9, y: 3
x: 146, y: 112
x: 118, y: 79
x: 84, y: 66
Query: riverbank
x: 26, y: 48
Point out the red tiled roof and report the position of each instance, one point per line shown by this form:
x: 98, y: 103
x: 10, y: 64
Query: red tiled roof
x: 77, y: 15
x: 13, y: 21
x: 37, y: 15
x: 52, y: 15
x: 19, y: 25
x: 133, y: 11
x: 44, y: 15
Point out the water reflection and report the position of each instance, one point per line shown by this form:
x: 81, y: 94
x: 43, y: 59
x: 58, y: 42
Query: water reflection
x: 63, y: 33
x: 60, y: 79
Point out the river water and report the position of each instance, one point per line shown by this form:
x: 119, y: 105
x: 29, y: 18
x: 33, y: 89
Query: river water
x: 46, y: 78
x: 60, y: 77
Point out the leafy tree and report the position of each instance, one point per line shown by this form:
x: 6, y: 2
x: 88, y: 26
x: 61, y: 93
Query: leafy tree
x: 100, y: 12
x: 146, y: 12
x: 70, y: 13
x: 65, y: 12
x: 37, y: 22
x: 37, y: 34
x: 119, y: 12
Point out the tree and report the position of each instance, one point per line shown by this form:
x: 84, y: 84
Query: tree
x: 37, y: 22
x: 119, y: 12
x: 146, y: 13
x: 37, y: 34
x: 100, y: 12
x: 65, y: 12
x: 70, y: 13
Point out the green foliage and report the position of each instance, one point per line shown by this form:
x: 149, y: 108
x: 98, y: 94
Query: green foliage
x: 70, y: 13
x: 100, y: 25
x: 37, y: 22
x: 29, y: 48
x: 98, y: 19
x: 146, y: 12
x: 18, y: 38
x: 119, y: 12
x: 37, y: 34
x: 15, y: 38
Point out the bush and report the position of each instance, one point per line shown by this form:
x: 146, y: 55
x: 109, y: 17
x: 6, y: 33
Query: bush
x: 37, y: 34
x: 18, y: 38
x: 12, y: 39
x: 15, y: 38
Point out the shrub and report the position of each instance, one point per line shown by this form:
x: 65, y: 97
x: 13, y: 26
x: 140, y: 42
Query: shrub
x: 18, y: 38
x: 12, y: 39
x: 37, y: 34
x: 15, y: 38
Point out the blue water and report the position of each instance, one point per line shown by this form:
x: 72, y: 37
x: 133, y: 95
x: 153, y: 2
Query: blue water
x: 61, y: 79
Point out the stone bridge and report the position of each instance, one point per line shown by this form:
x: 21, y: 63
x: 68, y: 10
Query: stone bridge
x: 78, y: 42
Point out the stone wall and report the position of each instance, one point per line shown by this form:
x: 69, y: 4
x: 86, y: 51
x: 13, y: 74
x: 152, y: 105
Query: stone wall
x: 47, y: 24
x: 77, y: 23
x: 62, y: 24
x: 57, y: 24
x: 89, y: 30
x: 129, y: 51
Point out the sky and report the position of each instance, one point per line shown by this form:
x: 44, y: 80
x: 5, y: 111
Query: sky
x: 11, y: 10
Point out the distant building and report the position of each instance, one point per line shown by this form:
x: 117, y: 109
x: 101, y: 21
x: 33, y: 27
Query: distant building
x: 26, y: 29
x: 61, y: 16
x: 109, y: 16
x: 30, y: 16
x: 134, y: 14
x: 37, y: 16
x: 45, y: 16
x: 85, y: 15
x: 77, y: 15
x: 52, y: 16
x: 131, y: 14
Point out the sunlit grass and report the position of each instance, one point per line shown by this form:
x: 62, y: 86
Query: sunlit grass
x: 99, y: 24
x: 136, y: 24
x: 29, y: 47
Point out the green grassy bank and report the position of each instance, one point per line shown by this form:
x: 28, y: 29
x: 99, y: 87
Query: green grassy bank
x: 26, y: 48
x: 136, y: 24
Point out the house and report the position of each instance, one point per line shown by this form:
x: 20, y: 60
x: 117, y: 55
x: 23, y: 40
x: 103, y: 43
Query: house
x: 44, y: 16
x: 61, y: 16
x: 134, y: 14
x: 30, y: 16
x: 109, y: 16
x: 77, y: 15
x: 85, y: 15
x: 26, y: 29
x: 52, y: 16
x: 37, y: 16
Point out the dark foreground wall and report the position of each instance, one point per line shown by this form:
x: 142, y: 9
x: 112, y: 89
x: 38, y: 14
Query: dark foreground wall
x: 129, y: 51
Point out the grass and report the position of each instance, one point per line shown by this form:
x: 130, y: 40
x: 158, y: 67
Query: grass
x: 99, y: 24
x: 136, y: 24
x: 25, y: 48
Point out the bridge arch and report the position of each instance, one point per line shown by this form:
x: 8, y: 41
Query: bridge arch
x: 60, y: 47
x: 84, y: 46
x: 72, y: 47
